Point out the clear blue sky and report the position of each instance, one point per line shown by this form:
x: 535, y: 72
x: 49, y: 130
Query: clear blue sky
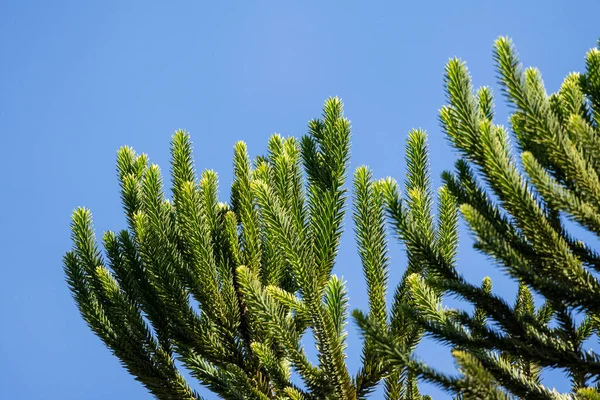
x: 79, y: 79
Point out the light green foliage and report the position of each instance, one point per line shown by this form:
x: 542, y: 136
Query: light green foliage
x: 229, y: 291
x: 518, y: 216
x: 373, y: 200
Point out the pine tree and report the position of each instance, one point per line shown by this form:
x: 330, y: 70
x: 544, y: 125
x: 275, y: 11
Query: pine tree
x: 227, y: 291
x: 520, y: 214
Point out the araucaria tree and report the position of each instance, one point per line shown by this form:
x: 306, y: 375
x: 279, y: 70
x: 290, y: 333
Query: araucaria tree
x: 228, y: 290
x: 521, y: 205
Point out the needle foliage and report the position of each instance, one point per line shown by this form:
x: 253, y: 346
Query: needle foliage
x: 227, y: 291
x: 521, y: 196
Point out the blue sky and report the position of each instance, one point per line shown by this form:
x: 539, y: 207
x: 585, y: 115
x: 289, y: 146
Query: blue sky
x: 79, y: 79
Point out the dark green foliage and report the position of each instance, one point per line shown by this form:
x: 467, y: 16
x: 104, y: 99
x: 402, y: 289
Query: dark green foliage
x: 518, y: 213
